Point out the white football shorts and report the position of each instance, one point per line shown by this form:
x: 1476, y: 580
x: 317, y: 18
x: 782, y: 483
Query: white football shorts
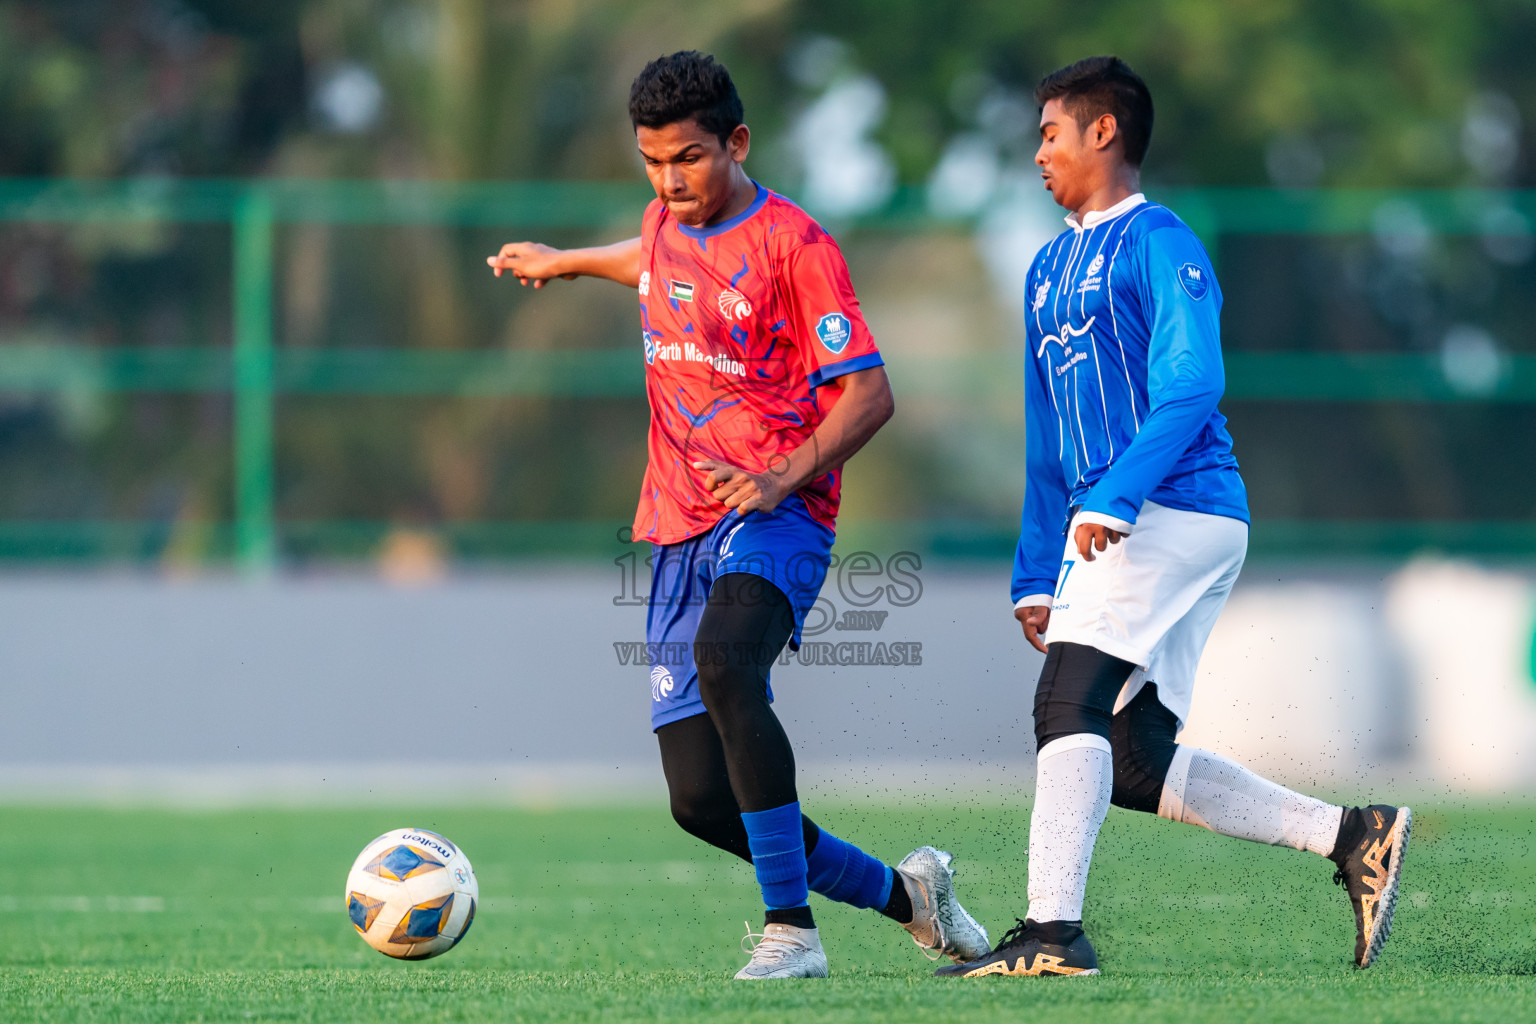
x: 1153, y: 598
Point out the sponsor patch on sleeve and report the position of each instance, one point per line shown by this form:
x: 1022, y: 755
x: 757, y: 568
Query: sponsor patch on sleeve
x: 834, y: 331
x: 1195, y: 279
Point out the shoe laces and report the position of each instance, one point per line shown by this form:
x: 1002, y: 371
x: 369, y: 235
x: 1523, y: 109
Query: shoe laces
x: 1015, y: 934
x: 769, y: 949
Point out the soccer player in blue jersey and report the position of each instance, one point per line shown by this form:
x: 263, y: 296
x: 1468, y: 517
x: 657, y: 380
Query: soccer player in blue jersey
x: 1134, y: 529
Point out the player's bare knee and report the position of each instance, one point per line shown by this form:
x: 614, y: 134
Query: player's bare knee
x: 1141, y: 739
x: 1076, y: 693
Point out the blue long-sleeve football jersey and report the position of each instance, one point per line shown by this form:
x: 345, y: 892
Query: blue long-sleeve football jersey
x: 1122, y: 379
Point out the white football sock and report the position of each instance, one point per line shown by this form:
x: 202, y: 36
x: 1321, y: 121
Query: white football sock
x: 1214, y: 792
x: 1073, y: 779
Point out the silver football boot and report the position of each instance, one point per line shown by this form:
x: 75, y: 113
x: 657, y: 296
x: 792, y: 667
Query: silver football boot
x: 939, y: 923
x: 783, y: 951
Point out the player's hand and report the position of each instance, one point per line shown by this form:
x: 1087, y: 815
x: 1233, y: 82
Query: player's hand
x: 737, y: 489
x: 1035, y: 619
x: 1094, y: 536
x: 529, y: 261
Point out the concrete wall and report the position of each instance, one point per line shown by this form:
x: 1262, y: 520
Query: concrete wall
x: 510, y: 685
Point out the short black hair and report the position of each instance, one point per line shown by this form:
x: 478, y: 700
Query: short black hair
x: 1097, y: 86
x: 683, y: 85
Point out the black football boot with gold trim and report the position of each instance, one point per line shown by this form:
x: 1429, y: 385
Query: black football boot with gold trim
x: 1369, y: 855
x: 1033, y: 950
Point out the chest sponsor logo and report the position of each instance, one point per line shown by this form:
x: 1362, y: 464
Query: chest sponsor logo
x: 645, y: 283
x: 682, y: 291
x: 688, y: 352
x: 834, y: 330
x: 1091, y: 281
x: 650, y: 347
x: 734, y: 305
x: 1041, y: 291
x: 1070, y: 356
x: 1073, y: 358
x: 1195, y: 280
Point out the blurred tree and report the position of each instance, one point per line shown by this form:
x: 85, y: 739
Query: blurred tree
x: 1360, y: 92
x: 1373, y: 92
x: 1249, y: 92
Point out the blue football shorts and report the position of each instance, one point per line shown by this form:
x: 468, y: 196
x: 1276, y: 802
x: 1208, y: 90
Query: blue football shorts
x: 786, y: 547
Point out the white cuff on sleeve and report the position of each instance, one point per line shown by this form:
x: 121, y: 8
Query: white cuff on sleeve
x: 1034, y: 601
x: 1118, y: 525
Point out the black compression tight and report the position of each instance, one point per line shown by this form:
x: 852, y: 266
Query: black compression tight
x: 736, y: 757
x: 702, y: 802
x: 746, y: 622
x: 1077, y: 692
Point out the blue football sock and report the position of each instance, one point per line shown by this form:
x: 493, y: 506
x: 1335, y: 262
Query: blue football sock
x: 778, y: 855
x: 841, y: 871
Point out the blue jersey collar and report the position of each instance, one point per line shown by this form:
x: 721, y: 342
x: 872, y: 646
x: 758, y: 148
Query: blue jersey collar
x: 726, y: 225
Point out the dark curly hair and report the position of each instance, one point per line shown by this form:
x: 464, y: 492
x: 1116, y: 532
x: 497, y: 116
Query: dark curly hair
x: 1097, y: 86
x: 683, y: 85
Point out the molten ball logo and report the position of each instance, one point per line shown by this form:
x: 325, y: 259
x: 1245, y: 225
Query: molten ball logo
x: 734, y: 305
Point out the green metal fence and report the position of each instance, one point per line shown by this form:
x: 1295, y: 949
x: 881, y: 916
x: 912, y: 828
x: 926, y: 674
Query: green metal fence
x: 254, y: 369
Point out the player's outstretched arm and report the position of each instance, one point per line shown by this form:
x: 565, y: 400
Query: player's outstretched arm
x: 538, y: 263
x: 864, y: 407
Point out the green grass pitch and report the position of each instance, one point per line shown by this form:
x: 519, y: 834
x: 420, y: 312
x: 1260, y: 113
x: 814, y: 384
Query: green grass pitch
x: 611, y: 915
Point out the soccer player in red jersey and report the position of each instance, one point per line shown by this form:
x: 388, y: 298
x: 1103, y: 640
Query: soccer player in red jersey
x: 763, y: 379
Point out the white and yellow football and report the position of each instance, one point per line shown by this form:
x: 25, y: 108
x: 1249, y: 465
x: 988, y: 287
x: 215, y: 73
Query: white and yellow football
x: 411, y: 894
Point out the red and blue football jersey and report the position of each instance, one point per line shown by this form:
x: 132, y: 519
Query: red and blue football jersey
x: 742, y: 322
